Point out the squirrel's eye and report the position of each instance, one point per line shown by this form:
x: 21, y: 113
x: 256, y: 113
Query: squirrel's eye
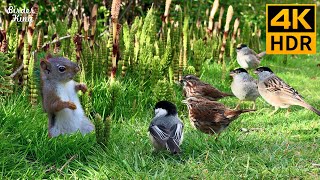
x: 62, y: 68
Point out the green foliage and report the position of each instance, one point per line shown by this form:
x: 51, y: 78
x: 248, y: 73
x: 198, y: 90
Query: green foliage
x: 199, y: 54
x: 26, y: 58
x: 6, y: 84
x: 102, y: 129
x: 163, y: 90
x: 32, y: 84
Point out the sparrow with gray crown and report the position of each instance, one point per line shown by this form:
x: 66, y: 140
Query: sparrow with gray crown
x: 247, y: 58
x: 244, y: 87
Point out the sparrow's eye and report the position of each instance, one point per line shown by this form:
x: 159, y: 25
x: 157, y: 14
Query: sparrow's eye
x: 62, y: 68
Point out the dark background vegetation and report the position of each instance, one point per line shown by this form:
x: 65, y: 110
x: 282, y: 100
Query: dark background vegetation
x: 249, y: 10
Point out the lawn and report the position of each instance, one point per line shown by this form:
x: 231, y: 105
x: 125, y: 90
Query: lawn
x: 254, y: 146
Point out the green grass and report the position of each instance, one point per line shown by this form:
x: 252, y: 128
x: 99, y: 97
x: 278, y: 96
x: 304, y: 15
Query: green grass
x: 282, y: 147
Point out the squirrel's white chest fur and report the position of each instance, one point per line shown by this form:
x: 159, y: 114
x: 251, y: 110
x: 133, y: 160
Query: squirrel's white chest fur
x: 68, y: 120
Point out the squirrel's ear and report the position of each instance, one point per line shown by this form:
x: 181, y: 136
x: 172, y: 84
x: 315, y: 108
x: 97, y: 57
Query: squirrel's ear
x: 45, y: 66
x: 48, y: 56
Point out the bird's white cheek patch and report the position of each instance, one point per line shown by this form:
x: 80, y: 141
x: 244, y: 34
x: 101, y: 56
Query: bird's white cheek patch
x: 160, y: 112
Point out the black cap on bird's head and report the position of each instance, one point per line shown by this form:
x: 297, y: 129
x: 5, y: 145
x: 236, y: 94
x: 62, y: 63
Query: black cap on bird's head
x: 261, y: 69
x: 238, y: 71
x: 168, y: 106
x: 240, y: 46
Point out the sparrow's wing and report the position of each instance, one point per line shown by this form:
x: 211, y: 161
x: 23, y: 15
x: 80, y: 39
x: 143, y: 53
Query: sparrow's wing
x: 252, y: 52
x: 212, y: 92
x: 159, y: 133
x: 210, y: 111
x: 276, y: 85
x: 175, y: 138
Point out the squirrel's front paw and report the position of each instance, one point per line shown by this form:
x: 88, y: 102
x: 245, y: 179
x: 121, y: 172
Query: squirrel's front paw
x: 71, y: 105
x: 82, y: 87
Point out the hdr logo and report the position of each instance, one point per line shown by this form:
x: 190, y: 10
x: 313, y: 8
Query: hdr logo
x: 291, y: 29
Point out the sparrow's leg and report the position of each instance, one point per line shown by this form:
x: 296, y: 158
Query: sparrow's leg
x: 288, y: 112
x: 238, y: 105
x: 276, y: 109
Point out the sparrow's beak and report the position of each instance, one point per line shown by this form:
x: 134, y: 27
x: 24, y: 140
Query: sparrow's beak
x: 231, y: 73
x: 181, y: 82
x: 184, y: 101
x: 256, y: 72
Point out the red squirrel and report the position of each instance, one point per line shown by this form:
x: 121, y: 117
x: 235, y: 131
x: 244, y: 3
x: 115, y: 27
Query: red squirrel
x: 59, y: 97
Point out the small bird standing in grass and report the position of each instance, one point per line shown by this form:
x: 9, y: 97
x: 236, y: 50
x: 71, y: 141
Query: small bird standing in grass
x: 193, y: 86
x: 278, y: 93
x: 244, y: 87
x: 210, y: 117
x: 247, y: 58
x: 166, y: 129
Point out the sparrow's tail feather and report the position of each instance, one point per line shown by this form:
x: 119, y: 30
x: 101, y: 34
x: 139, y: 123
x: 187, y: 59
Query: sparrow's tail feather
x: 235, y: 113
x: 246, y: 110
x: 228, y: 94
x: 261, y: 54
x: 308, y: 106
x: 172, y: 146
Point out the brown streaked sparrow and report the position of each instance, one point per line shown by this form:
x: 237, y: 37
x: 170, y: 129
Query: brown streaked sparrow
x: 278, y: 93
x: 166, y: 129
x: 247, y: 58
x: 244, y: 87
x: 193, y: 86
x: 210, y: 117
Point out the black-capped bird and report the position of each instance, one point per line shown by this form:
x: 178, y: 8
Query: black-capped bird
x: 244, y: 87
x: 247, y: 58
x: 166, y: 129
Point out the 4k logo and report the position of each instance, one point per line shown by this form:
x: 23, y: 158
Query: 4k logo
x: 291, y: 29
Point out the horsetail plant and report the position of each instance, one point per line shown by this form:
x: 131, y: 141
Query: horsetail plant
x: 102, y: 128
x: 225, y: 34
x: 40, y: 40
x: 3, y: 43
x: 86, y: 25
x: 93, y: 22
x: 25, y: 65
x: 166, y: 11
x: 73, y: 46
x: 224, y: 41
x: 115, y: 9
x: 31, y: 27
x: 213, y: 11
x: 6, y: 84
x: 185, y: 39
x: 220, y: 19
x: 33, y: 92
x: 233, y: 37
